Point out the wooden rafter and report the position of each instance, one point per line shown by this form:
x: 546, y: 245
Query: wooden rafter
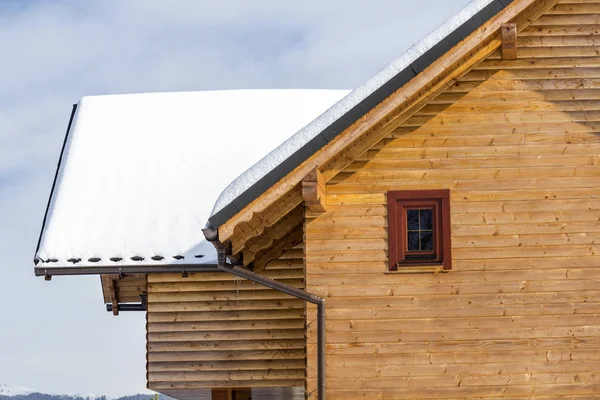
x: 293, y: 238
x: 509, y: 41
x: 381, y: 120
x: 314, y: 191
x: 108, y: 282
x: 274, y: 233
x: 255, y: 227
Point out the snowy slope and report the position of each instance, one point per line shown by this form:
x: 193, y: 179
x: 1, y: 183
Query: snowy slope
x: 140, y: 173
x: 6, y: 390
x: 302, y: 137
x: 22, y: 393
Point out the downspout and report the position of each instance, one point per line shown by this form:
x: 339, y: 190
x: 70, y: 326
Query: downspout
x: 211, y: 236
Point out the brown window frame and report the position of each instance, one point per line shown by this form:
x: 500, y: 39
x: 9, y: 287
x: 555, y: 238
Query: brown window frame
x: 398, y: 203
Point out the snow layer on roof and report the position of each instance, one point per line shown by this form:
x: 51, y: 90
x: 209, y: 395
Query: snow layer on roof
x: 302, y: 137
x: 140, y: 173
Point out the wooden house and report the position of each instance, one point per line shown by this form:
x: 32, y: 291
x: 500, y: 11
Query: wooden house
x: 445, y: 215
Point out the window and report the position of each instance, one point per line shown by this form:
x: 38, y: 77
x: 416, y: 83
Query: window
x: 419, y: 228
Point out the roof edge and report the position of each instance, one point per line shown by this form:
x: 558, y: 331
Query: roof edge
x: 62, y: 152
x: 358, y: 111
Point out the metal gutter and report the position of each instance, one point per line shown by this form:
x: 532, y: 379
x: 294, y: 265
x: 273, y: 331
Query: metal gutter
x: 126, y: 307
x: 48, y: 271
x: 357, y: 112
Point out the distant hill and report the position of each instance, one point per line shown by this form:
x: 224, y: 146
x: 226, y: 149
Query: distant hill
x: 21, y: 393
x: 42, y: 396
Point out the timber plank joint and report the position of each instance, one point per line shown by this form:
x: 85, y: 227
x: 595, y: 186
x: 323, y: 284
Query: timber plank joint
x: 314, y: 191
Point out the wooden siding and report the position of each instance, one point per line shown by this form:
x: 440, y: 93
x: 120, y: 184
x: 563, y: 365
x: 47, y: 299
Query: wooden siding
x: 213, y: 330
x: 518, y: 145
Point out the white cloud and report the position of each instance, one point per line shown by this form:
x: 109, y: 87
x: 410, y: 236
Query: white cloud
x: 55, y: 336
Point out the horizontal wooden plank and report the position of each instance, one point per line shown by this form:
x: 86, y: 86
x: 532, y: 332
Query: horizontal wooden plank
x: 428, y: 324
x: 560, y: 30
x: 433, y: 174
x: 224, y: 335
x: 214, y: 286
x: 448, y: 153
x: 467, y: 185
x: 559, y: 41
x: 406, y: 289
x: 565, y: 19
x: 183, y: 366
x: 229, y: 295
x: 341, y: 355
x: 589, y: 7
x: 578, y: 266
x: 508, y: 163
x: 181, y: 353
x: 458, y: 300
x: 562, y: 392
x: 481, y: 369
x: 460, y: 334
x: 161, y: 386
x: 469, y: 311
x: 502, y: 106
x: 222, y: 350
x: 221, y: 276
x: 234, y: 325
x: 209, y: 376
x: 374, y: 276
x: 232, y: 305
x: 236, y: 315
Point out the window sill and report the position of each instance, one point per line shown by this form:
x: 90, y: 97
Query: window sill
x: 418, y: 269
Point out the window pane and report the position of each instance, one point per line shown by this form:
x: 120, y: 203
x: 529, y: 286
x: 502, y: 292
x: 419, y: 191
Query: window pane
x: 413, y: 241
x: 426, y: 241
x: 426, y: 223
x: 412, y: 220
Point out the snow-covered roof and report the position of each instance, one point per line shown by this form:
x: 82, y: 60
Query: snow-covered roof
x: 139, y: 173
x: 305, y: 142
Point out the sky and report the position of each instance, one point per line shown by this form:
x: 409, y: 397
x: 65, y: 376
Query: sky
x: 56, y: 337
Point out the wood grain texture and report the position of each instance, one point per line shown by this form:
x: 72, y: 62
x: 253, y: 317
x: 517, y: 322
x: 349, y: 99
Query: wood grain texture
x: 517, y: 144
x: 214, y: 330
x: 365, y: 132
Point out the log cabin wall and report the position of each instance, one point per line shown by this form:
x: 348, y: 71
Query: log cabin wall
x: 213, y: 330
x: 518, y: 145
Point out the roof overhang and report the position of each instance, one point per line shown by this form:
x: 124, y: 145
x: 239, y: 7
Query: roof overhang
x: 138, y: 174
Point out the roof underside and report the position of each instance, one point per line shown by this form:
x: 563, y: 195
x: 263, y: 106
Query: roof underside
x: 138, y: 174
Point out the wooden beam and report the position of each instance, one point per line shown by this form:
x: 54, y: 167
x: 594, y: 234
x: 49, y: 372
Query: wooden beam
x: 108, y: 281
x: 294, y: 237
x: 509, y: 41
x: 245, y: 231
x: 314, y: 191
x: 271, y: 234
